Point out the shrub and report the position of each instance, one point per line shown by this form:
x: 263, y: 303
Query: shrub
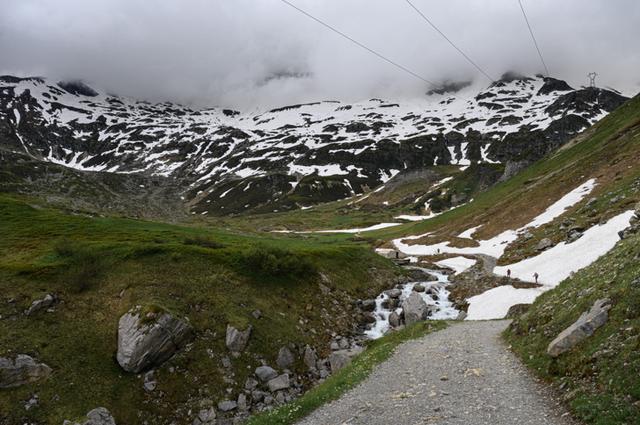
x: 273, y: 261
x: 203, y: 242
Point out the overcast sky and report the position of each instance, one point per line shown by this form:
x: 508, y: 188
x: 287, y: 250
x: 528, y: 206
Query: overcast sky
x: 258, y: 53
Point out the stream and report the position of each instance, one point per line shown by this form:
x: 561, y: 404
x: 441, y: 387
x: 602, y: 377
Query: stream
x: 433, y: 289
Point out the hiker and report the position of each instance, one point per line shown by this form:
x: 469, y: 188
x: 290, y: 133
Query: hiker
x: 509, y: 273
x: 536, y: 276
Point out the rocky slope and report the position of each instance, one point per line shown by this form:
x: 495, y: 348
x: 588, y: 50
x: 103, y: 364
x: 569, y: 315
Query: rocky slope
x: 227, y: 162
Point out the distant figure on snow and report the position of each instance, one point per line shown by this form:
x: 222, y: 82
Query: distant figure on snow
x: 536, y: 276
x: 509, y: 273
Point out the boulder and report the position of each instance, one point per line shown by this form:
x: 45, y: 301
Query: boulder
x: 21, y: 370
x: 98, y: 416
x: 517, y: 310
x: 544, y: 244
x: 237, y: 340
x: 395, y: 320
x: 368, y: 305
x: 227, y: 405
x: 242, y: 402
x: 461, y: 315
x: 285, y: 358
x: 419, y: 288
x: 338, y: 360
x: 310, y: 357
x: 205, y: 417
x: 279, y: 383
x: 41, y: 304
x: 581, y: 329
x: 415, y: 309
x: 393, y: 293
x: 265, y: 373
x: 143, y: 344
x: 250, y: 384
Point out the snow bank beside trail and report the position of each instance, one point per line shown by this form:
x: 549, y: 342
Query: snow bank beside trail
x: 458, y: 264
x: 467, y: 233
x: 557, y: 263
x: 495, y: 303
x: 415, y: 217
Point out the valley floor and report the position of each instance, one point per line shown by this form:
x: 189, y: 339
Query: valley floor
x: 463, y: 374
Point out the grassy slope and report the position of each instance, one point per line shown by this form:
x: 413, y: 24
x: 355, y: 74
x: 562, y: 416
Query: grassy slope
x: 601, y: 376
x: 101, y: 267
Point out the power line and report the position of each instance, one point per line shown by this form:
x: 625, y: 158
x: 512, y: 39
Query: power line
x: 357, y: 43
x: 533, y: 37
x: 449, y: 41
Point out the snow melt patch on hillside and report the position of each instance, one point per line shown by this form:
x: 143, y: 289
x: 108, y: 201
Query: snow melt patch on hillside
x: 458, y: 264
x: 496, y: 302
x: 556, y: 264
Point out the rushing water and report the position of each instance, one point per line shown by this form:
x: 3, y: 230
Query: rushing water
x: 445, y: 309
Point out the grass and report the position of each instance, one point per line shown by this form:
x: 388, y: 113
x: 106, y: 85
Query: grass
x: 600, y: 376
x: 346, y: 378
x: 100, y: 267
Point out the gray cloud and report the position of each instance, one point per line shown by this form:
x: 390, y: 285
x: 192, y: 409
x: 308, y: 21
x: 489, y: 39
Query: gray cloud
x: 258, y: 53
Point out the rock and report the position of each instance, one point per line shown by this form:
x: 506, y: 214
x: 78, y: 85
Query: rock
x: 149, y: 381
x: 265, y: 373
x: 393, y: 293
x: 227, y: 405
x: 22, y: 370
x: 32, y: 402
x: 42, y: 304
x: 256, y: 314
x: 279, y: 383
x: 205, y: 417
x: 285, y: 358
x: 368, y: 318
x: 242, y: 402
x: 544, y: 244
x: 390, y: 303
x: 338, y: 360
x: 395, y: 320
x: 418, y: 287
x: 237, y: 340
x: 415, y: 309
x: 368, y: 305
x: 310, y: 357
x: 461, y: 315
x: 250, y: 384
x: 142, y: 344
x: 517, y: 310
x: 581, y: 329
x: 98, y: 416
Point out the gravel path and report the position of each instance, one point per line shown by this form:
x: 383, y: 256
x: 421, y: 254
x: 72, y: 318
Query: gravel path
x: 461, y: 375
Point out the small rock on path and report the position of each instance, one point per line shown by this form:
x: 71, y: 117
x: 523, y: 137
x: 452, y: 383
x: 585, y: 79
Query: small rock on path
x: 463, y: 374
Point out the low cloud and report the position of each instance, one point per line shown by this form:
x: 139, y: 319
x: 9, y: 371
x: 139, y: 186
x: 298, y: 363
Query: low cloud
x: 259, y: 53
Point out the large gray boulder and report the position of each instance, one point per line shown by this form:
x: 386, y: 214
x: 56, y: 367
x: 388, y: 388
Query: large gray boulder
x: 310, y: 357
x: 339, y: 359
x: 395, y: 319
x: 98, y: 416
x: 581, y: 329
x: 21, y: 370
x: 415, y: 309
x: 147, y: 343
x: 544, y: 244
x: 236, y: 339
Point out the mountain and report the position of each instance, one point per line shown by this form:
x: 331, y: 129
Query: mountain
x: 221, y: 161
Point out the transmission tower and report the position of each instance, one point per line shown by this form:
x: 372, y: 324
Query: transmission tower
x: 592, y: 79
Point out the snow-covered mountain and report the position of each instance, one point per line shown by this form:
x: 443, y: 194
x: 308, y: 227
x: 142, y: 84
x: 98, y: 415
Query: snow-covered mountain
x: 227, y: 162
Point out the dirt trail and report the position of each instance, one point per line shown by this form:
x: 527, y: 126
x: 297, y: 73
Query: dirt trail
x: 462, y: 375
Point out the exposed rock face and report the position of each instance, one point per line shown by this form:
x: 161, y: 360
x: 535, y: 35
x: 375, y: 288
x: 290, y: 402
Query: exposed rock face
x: 285, y: 358
x: 144, y: 345
x: 338, y: 360
x: 583, y: 328
x: 517, y: 310
x: 42, y: 304
x: 415, y: 309
x: 395, y: 320
x: 21, y: 370
x: 98, y: 416
x: 237, y: 340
